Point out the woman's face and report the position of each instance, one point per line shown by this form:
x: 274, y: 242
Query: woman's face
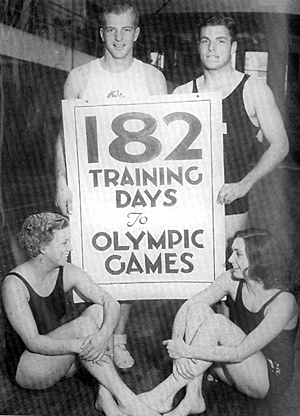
x: 238, y: 258
x: 57, y: 251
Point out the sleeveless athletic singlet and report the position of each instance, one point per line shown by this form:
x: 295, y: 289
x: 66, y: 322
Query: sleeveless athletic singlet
x: 279, y: 352
x: 47, y: 312
x: 102, y: 84
x: 238, y: 142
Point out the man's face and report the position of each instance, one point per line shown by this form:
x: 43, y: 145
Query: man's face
x: 215, y: 47
x: 119, y: 34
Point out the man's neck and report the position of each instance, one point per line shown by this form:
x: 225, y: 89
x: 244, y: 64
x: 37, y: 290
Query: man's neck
x: 116, y: 65
x: 217, y: 79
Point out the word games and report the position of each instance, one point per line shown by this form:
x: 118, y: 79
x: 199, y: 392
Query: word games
x: 145, y: 178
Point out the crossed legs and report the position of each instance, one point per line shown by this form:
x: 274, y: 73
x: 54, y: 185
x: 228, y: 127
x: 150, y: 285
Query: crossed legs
x: 205, y: 328
x: 37, y: 371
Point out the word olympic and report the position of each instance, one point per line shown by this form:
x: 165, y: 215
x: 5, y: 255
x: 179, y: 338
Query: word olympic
x: 163, y: 263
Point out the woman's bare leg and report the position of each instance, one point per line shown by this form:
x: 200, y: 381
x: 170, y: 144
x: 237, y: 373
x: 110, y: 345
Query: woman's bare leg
x: 127, y: 401
x: 162, y: 396
x: 249, y: 376
x: 193, y: 402
x: 37, y: 371
x: 107, y: 404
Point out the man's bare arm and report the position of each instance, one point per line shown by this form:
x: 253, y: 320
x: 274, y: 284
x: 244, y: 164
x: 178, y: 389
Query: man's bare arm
x: 265, y: 110
x: 63, y: 197
x: 72, y: 88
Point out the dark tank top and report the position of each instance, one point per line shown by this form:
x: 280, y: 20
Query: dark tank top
x: 47, y: 312
x: 238, y: 142
x: 281, y: 349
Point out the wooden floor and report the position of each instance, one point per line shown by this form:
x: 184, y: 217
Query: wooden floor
x: 150, y: 323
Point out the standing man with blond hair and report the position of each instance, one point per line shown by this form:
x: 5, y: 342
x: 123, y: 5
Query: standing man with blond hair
x: 116, y: 75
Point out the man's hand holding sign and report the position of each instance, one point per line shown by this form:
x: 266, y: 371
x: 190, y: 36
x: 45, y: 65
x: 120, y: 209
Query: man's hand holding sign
x: 156, y: 168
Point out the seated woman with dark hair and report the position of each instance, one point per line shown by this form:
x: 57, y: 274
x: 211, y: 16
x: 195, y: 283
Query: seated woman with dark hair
x: 254, y: 352
x: 40, y: 349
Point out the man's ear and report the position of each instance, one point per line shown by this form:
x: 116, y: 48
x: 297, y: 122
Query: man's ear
x: 137, y: 32
x: 101, y: 34
x: 233, y: 47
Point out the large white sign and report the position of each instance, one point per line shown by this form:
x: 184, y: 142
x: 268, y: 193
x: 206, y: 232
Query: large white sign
x: 145, y: 178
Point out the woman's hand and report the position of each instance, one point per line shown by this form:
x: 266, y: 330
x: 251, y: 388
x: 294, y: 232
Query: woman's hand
x: 95, y: 347
x: 176, y: 348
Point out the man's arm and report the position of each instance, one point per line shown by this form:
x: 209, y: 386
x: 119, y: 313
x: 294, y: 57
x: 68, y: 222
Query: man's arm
x: 63, y: 197
x: 260, y: 105
x: 72, y: 88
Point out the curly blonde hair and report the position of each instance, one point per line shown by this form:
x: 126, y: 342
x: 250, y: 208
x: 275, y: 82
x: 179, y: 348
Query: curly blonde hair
x: 38, y: 230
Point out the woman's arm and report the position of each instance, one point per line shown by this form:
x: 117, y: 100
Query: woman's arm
x: 15, y: 300
x: 283, y: 311
x: 279, y: 315
x: 95, y: 345
x: 77, y: 279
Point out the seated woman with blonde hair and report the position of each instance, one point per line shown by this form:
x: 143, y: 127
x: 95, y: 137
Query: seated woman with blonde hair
x: 40, y: 348
x: 254, y: 352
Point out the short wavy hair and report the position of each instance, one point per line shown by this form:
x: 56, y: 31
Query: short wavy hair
x: 219, y: 19
x: 267, y: 263
x: 38, y: 230
x: 119, y: 7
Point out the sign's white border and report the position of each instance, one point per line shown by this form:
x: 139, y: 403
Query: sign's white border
x: 142, y: 290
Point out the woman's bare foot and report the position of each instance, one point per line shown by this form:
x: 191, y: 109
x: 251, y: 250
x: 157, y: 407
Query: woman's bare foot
x: 138, y: 408
x: 107, y: 404
x: 188, y: 406
x: 153, y: 400
x: 127, y: 406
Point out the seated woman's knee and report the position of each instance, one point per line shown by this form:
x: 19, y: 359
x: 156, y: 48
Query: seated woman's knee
x: 96, y: 313
x: 217, y: 321
x: 85, y: 325
x: 198, y: 312
x: 220, y: 319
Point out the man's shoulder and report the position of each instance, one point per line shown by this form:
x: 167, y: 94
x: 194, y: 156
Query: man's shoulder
x: 77, y: 80
x: 82, y: 70
x: 154, y: 79
x: 148, y: 68
x: 184, y: 88
x: 255, y: 89
x: 255, y: 84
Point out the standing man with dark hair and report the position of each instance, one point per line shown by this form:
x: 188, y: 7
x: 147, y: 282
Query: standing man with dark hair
x: 116, y: 75
x: 249, y: 112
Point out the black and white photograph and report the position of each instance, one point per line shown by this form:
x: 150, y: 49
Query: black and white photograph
x: 149, y: 220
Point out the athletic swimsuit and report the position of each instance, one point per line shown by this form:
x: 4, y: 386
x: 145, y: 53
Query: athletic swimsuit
x: 238, y: 143
x: 47, y: 312
x: 279, y: 352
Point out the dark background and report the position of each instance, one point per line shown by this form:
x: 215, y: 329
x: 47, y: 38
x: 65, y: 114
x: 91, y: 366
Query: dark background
x: 30, y: 117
